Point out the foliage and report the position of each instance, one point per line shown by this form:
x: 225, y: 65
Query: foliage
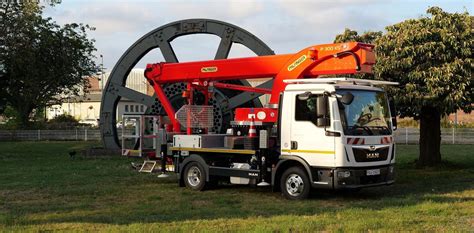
x: 41, y: 62
x: 64, y: 118
x: 63, y: 121
x: 431, y: 58
x: 58, y: 193
x: 9, y: 116
x: 368, y: 37
x: 409, y: 122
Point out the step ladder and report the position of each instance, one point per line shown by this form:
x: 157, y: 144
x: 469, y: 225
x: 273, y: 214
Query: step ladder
x: 148, y: 166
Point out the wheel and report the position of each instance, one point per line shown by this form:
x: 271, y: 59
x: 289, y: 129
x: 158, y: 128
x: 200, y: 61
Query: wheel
x: 194, y: 176
x: 295, y: 184
x: 159, y: 40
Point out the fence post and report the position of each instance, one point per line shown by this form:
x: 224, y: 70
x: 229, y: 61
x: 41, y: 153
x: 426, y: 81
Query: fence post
x: 406, y: 136
x: 85, y: 135
x: 453, y: 135
x: 39, y: 134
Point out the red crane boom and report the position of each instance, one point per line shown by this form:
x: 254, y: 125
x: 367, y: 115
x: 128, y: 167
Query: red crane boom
x: 325, y: 59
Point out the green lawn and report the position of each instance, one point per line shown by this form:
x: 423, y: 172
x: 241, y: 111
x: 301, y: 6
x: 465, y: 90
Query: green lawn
x: 42, y: 189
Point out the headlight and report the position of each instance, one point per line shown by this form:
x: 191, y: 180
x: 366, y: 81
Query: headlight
x: 343, y: 174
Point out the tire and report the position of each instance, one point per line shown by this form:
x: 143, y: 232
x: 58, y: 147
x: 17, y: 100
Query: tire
x: 294, y: 184
x: 194, y: 176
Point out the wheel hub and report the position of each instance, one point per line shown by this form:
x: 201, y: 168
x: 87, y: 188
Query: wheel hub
x: 194, y: 176
x: 294, y: 185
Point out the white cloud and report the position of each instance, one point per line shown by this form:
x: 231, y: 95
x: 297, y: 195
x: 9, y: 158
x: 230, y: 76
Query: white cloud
x: 285, y: 25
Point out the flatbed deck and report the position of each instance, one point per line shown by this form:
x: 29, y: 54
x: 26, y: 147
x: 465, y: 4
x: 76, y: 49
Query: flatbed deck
x: 215, y: 150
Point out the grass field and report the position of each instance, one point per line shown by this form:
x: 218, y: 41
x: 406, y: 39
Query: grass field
x: 42, y: 189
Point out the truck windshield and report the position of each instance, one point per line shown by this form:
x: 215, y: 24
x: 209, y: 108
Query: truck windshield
x: 367, y: 114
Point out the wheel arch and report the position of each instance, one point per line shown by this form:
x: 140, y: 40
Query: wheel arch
x: 285, y: 163
x: 192, y: 158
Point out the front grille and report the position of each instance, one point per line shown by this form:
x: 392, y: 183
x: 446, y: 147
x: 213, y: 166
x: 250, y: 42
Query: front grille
x: 366, y: 155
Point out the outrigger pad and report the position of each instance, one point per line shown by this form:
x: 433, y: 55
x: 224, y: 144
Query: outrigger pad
x: 148, y: 166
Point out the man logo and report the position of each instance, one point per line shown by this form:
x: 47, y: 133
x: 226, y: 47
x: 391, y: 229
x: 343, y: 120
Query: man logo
x: 373, y: 155
x: 372, y: 148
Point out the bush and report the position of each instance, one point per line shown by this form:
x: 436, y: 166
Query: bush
x: 62, y: 122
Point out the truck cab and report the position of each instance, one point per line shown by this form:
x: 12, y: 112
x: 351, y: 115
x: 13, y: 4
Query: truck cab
x: 341, y: 132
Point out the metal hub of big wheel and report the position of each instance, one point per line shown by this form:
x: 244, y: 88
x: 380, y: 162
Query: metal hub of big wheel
x: 194, y: 176
x: 294, y: 185
x: 224, y: 101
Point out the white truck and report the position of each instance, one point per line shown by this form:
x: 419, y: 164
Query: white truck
x: 333, y: 133
x: 330, y: 133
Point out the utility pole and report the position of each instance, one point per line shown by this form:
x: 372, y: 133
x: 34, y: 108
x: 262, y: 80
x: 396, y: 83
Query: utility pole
x: 102, y: 73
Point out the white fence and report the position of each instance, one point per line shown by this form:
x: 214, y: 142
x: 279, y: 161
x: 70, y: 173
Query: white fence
x: 61, y: 135
x: 448, y: 136
x: 402, y: 135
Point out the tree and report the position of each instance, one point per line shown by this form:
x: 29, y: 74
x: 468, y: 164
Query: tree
x: 368, y: 37
x: 431, y: 59
x: 41, y: 62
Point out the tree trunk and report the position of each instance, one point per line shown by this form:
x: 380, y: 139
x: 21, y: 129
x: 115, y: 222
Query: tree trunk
x: 23, y: 117
x: 430, y: 137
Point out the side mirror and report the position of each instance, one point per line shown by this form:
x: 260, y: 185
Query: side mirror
x: 393, y: 113
x: 305, y: 96
x: 347, y: 98
x: 322, y: 109
x: 323, y: 121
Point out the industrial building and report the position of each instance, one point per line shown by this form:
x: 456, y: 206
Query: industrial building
x: 86, y: 108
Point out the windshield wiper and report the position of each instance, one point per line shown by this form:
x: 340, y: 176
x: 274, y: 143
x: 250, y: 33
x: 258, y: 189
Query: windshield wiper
x: 367, y: 129
x: 383, y: 128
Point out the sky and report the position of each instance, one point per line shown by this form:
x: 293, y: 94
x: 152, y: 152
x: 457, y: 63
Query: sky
x: 286, y: 26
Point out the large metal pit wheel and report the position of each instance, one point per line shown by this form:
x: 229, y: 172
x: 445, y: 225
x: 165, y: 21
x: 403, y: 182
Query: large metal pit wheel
x: 223, y: 102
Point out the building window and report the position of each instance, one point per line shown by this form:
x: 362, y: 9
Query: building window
x: 142, y: 108
x: 126, y: 108
x: 136, y: 108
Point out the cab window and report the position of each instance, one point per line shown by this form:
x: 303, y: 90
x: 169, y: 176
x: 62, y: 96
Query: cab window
x: 305, y: 108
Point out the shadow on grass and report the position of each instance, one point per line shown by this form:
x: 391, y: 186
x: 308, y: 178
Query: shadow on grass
x: 232, y: 201
x: 108, y: 191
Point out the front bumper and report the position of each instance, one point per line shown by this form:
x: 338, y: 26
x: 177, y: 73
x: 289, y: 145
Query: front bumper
x: 355, y: 177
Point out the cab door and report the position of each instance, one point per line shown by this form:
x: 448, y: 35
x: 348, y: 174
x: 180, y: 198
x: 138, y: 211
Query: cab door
x: 307, y: 139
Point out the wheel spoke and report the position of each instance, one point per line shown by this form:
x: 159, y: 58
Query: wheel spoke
x: 245, y: 97
x: 136, y: 96
x: 223, y: 49
x: 168, y: 52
